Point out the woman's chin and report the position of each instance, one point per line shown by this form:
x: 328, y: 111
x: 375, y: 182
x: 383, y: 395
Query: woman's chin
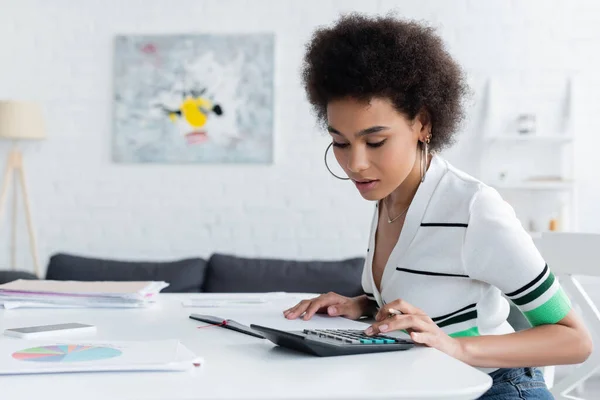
x: 371, y: 195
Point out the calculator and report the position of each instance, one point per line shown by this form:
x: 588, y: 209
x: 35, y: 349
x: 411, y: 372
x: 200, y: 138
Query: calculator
x: 333, y: 342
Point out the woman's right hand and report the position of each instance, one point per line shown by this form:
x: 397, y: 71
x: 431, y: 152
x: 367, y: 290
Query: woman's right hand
x: 330, y: 303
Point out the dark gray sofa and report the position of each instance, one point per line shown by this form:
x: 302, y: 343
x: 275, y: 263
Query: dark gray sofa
x: 220, y: 273
x: 183, y: 276
x: 10, y: 275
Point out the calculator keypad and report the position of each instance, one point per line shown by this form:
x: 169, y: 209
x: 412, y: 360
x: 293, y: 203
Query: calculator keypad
x: 352, y: 336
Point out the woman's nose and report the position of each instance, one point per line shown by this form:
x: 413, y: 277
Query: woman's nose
x: 358, y: 161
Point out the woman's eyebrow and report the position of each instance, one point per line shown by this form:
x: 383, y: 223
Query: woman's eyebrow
x: 367, y: 131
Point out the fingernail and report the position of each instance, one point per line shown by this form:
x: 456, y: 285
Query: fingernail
x: 369, y: 331
x: 383, y: 328
x: 332, y: 310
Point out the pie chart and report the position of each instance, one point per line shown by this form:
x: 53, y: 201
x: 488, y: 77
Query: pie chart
x: 66, y: 353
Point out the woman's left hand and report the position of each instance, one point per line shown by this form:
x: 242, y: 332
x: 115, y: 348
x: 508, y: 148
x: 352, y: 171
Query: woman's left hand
x: 420, y: 327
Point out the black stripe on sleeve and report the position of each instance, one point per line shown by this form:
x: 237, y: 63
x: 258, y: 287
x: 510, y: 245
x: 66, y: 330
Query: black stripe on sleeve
x: 414, y: 271
x: 445, y: 224
x: 459, y: 318
x: 530, y: 284
x: 441, y: 317
x: 371, y: 302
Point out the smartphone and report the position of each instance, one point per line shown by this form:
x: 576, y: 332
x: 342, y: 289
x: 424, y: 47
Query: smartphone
x: 32, y: 332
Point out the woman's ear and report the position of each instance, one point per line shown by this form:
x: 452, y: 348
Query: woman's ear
x: 424, y: 119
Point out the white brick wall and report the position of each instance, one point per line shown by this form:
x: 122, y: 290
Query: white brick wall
x: 60, y: 53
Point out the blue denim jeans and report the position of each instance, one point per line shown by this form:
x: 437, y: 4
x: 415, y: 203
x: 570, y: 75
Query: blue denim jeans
x: 517, y: 383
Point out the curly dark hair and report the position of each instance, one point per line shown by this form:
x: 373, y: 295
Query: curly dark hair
x: 365, y: 57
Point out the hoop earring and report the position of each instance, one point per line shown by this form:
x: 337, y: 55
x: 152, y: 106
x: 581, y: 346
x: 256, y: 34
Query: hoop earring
x: 424, y: 154
x: 325, y: 158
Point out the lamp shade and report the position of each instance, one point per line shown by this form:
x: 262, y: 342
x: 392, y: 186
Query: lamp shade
x: 21, y: 120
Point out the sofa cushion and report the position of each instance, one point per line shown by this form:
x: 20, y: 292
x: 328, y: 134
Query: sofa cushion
x: 185, y: 275
x: 9, y: 276
x: 228, y: 273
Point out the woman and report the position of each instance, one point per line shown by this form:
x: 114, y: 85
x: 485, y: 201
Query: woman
x: 444, y: 247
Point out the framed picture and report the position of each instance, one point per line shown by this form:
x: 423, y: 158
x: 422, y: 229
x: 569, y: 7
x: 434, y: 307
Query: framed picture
x: 193, y: 98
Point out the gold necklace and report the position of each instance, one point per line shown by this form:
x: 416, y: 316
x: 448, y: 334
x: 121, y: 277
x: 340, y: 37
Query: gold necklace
x: 388, y: 213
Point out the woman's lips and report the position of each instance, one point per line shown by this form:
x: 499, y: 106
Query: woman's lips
x: 366, y: 185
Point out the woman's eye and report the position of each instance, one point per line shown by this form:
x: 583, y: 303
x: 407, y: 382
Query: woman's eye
x: 340, y: 145
x: 344, y: 145
x: 378, y: 144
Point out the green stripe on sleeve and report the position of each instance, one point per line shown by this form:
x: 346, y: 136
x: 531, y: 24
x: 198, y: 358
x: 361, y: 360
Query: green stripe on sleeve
x: 531, y: 296
x: 552, y: 311
x: 474, y: 331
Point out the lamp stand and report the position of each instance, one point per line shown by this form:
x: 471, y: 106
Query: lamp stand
x: 14, y: 168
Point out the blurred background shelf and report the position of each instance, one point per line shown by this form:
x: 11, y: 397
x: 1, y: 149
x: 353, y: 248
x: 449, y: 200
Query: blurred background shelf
x: 527, y: 148
x: 557, y: 139
x: 534, y: 185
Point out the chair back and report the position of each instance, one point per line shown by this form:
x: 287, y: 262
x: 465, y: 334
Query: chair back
x: 569, y: 253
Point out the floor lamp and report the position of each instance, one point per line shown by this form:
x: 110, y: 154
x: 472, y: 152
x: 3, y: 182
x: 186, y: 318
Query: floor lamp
x: 19, y: 121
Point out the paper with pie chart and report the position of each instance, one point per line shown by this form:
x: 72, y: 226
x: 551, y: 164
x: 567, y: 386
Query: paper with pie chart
x: 66, y: 353
x: 30, y: 357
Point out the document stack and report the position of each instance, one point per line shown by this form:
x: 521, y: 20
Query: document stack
x: 69, y: 294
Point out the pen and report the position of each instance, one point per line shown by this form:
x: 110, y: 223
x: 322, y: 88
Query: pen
x: 393, y: 312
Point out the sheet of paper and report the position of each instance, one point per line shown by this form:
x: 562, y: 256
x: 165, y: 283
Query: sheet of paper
x: 50, y: 356
x: 10, y: 305
x: 275, y: 319
x: 224, y: 300
x: 201, y: 303
x: 80, y: 287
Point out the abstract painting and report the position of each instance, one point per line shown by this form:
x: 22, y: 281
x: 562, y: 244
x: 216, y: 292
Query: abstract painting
x: 202, y: 98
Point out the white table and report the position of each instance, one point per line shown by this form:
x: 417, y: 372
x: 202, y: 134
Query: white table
x: 238, y: 366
